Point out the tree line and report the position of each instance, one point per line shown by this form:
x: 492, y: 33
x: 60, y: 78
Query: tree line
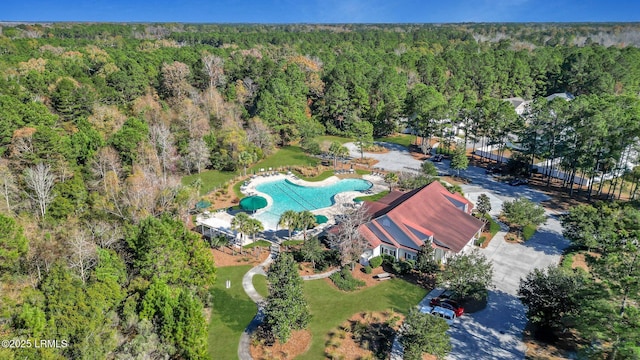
x: 99, y: 122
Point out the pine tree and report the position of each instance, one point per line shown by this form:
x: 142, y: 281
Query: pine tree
x: 286, y: 308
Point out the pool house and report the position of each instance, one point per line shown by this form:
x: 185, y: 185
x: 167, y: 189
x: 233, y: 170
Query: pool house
x: 401, y: 222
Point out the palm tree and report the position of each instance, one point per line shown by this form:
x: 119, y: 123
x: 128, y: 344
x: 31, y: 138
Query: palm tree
x: 392, y: 179
x: 288, y: 220
x: 240, y: 224
x: 306, y: 219
x: 254, y: 226
x: 337, y: 150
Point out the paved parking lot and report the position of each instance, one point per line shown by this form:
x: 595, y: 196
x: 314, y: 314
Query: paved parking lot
x: 496, y: 331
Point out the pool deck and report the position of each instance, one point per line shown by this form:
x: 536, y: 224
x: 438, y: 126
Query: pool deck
x: 343, y: 200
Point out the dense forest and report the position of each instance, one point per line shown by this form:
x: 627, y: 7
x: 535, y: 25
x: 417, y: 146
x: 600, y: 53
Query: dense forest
x: 98, y: 123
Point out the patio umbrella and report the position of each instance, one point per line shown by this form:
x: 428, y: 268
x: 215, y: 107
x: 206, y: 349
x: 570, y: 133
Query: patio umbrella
x: 321, y: 219
x: 253, y: 203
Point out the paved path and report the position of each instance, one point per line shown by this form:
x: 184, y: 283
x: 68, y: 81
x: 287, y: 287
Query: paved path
x: 496, y: 331
x: 247, y: 283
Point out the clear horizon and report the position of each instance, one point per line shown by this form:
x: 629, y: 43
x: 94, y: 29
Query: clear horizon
x: 322, y: 12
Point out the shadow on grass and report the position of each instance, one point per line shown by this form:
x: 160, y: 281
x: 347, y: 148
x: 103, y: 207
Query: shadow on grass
x: 234, y: 312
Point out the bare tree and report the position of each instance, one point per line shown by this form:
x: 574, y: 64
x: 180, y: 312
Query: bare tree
x: 103, y: 233
x: 40, y: 181
x: 193, y: 119
x: 214, y: 67
x: 106, y: 160
x: 162, y: 139
x: 83, y: 255
x: 347, y: 239
x: 7, y: 184
x: 258, y: 133
x: 197, y: 156
x: 175, y: 79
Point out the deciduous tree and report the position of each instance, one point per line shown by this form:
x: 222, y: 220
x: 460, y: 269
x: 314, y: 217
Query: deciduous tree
x: 522, y: 212
x: 40, y: 180
x: 468, y: 275
x: 424, y: 334
x: 346, y: 238
x: 550, y: 295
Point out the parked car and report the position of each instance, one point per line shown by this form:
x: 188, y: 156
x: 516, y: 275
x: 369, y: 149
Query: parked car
x: 447, y: 314
x: 437, y: 158
x: 447, y: 303
x: 518, y: 182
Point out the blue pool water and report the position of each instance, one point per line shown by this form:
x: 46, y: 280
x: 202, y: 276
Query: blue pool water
x: 289, y: 196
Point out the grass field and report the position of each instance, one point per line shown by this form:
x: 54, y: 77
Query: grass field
x: 260, y: 283
x: 330, y: 307
x: 326, y: 140
x: 233, y: 309
x: 400, y: 139
x: 232, y: 312
x: 211, y: 179
x: 374, y: 197
x: 285, y: 156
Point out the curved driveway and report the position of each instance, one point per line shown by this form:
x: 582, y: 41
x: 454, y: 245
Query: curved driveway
x: 496, y: 331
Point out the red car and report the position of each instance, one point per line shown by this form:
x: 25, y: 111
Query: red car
x: 447, y: 303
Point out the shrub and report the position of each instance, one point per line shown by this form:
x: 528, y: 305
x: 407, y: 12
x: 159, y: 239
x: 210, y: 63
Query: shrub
x: 345, y: 281
x: 406, y: 266
x: 388, y: 259
x: 528, y: 231
x: 367, y: 269
x: 375, y: 262
x: 481, y: 241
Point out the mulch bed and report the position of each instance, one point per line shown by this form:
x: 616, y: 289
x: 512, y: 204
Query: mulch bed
x: 224, y: 257
x: 298, y: 344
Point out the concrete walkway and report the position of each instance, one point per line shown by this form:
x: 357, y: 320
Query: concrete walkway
x: 247, y: 285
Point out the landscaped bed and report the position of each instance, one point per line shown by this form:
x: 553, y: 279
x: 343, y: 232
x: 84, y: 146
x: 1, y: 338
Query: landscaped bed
x: 366, y: 335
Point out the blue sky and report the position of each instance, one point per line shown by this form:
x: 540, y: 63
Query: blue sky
x: 321, y: 11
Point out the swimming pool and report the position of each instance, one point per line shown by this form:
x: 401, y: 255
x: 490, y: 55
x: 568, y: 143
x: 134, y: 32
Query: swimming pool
x: 289, y: 196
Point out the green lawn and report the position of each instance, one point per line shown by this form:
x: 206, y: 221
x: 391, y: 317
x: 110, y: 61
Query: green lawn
x: 400, y: 139
x: 374, y: 197
x: 330, y: 307
x: 261, y: 243
x: 233, y: 309
x: 285, y: 156
x: 232, y: 312
x: 494, y: 227
x: 328, y: 139
x: 260, y: 283
x: 319, y: 177
x: 211, y: 179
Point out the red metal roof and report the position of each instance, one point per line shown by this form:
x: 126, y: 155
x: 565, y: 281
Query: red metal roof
x: 428, y: 211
